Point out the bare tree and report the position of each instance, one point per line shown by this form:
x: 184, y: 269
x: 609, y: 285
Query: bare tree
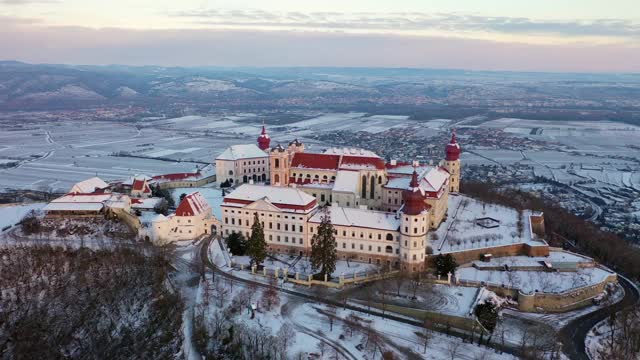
x: 270, y: 296
x: 452, y: 349
x: 331, y: 315
x: 426, y: 334
x: 286, y: 336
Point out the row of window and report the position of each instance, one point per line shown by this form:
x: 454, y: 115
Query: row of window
x: 253, y: 170
x: 254, y: 162
x: 387, y: 249
x: 239, y: 212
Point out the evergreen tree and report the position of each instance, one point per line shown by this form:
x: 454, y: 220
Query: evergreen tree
x: 323, y: 247
x: 237, y: 243
x: 445, y: 264
x: 256, y: 246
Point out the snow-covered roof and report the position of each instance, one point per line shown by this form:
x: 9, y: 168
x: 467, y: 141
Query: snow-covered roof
x: 406, y: 168
x: 193, y: 204
x: 119, y: 201
x: 343, y: 216
x: 346, y: 181
x: 274, y: 194
x: 350, y: 152
x: 89, y: 186
x: 432, y: 179
x: 149, y: 203
x: 239, y: 152
x: 82, y: 198
x: 61, y: 206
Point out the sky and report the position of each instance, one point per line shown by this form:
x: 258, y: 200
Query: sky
x: 541, y: 35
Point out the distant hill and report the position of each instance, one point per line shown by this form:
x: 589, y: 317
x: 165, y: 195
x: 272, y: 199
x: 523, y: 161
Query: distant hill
x: 394, y: 91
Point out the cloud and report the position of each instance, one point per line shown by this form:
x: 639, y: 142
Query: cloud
x: 78, y: 45
x: 409, y: 21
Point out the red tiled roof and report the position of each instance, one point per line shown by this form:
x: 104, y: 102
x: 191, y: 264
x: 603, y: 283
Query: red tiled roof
x: 356, y: 161
x: 138, y: 185
x: 315, y: 161
x: 192, y: 204
x: 177, y: 176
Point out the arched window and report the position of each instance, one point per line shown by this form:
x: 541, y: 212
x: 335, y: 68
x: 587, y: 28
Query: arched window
x: 276, y: 178
x: 264, y: 177
x: 389, y: 237
x: 244, y: 179
x: 372, y: 190
x: 388, y: 249
x: 230, y: 172
x: 277, y: 163
x: 379, y: 179
x: 364, y: 187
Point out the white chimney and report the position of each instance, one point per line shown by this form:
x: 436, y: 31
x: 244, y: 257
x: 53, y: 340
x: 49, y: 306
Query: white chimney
x: 394, y: 162
x: 416, y: 163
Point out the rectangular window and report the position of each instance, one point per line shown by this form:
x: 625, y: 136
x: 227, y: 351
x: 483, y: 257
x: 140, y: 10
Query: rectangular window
x: 300, y: 241
x: 344, y: 245
x: 301, y: 228
x: 286, y: 227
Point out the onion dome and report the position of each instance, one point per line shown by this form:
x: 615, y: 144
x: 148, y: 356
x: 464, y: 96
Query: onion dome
x: 264, y: 140
x: 413, y: 197
x: 453, y: 149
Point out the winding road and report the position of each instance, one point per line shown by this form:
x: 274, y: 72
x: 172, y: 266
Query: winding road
x: 574, y: 334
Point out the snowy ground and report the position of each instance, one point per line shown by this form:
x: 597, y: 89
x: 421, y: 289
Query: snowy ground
x: 461, y: 232
x: 12, y: 214
x: 536, y: 281
x: 312, y: 327
x: 303, y: 265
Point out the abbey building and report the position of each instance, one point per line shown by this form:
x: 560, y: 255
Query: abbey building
x: 382, y: 211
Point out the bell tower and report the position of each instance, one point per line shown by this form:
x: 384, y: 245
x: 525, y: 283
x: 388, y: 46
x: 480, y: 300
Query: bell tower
x: 414, y: 225
x: 452, y: 163
x: 279, y: 166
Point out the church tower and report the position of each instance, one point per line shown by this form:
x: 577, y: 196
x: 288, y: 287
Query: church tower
x: 264, y: 140
x: 452, y: 163
x: 414, y: 226
x: 279, y: 166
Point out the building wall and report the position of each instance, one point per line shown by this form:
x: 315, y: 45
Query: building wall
x: 176, y: 228
x: 279, y: 162
x: 454, y: 170
x: 243, y: 169
x: 281, y: 229
x: 439, y: 207
x: 187, y: 183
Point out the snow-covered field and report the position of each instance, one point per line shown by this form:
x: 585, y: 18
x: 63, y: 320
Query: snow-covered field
x: 12, y: 214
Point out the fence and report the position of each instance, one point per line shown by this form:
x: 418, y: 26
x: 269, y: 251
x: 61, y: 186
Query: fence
x: 299, y: 278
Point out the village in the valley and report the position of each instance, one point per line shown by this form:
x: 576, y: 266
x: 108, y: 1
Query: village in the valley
x: 337, y: 253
